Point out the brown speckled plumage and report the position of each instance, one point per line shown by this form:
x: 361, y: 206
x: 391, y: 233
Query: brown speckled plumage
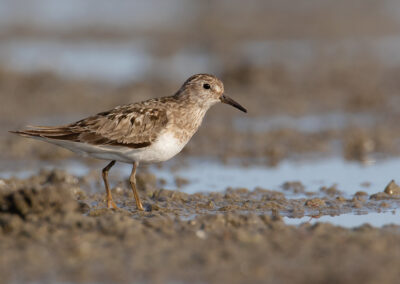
x: 138, y: 124
x: 160, y: 126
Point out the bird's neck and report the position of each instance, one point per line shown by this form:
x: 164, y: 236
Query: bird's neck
x: 193, y: 101
x: 187, y: 118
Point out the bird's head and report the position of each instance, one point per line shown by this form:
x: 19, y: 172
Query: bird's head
x: 206, y: 90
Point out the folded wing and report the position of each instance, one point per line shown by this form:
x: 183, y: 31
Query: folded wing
x: 132, y: 126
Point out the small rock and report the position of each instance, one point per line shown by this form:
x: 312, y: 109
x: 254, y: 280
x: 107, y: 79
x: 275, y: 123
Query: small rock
x: 392, y: 188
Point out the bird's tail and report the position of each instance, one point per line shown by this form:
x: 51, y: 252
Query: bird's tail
x: 52, y: 132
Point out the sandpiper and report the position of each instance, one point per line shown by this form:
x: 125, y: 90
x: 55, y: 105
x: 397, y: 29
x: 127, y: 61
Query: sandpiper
x: 151, y: 131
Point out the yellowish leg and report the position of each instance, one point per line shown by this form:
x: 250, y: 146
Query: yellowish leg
x: 110, y: 202
x: 132, y: 180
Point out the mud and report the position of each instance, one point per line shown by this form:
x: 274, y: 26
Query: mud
x: 53, y: 230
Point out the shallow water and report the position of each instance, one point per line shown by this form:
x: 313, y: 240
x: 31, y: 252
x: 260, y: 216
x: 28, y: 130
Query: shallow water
x: 206, y: 175
x: 350, y: 177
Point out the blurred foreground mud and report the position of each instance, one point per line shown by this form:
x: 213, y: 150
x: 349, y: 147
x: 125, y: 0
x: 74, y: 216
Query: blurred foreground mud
x: 53, y: 230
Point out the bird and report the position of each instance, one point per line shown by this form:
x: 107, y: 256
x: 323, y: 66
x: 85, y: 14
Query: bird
x: 150, y: 131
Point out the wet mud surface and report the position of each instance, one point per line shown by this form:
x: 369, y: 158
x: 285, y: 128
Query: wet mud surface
x: 52, y: 228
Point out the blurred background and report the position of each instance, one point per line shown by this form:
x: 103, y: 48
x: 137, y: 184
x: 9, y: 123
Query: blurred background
x: 319, y: 77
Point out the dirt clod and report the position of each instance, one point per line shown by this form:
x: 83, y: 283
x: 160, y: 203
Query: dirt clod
x: 392, y: 188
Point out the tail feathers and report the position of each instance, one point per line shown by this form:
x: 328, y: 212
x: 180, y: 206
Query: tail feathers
x: 47, y: 132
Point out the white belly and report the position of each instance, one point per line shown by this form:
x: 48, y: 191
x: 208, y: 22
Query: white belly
x: 164, y: 148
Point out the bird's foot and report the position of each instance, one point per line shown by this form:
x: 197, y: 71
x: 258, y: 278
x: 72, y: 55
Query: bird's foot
x: 111, y: 204
x: 139, y: 206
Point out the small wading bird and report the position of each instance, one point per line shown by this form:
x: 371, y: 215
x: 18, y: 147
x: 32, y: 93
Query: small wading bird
x: 150, y: 131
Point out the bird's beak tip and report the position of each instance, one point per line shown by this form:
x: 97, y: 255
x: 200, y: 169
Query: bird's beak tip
x: 227, y: 100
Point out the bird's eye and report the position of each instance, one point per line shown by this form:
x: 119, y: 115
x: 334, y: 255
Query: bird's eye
x: 206, y: 86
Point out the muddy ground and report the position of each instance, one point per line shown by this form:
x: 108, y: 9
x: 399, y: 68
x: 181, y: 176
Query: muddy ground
x: 52, y: 230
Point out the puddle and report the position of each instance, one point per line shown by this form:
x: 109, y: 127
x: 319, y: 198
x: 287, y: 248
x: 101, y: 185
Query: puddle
x: 350, y: 177
x: 307, y: 123
x: 25, y: 168
x: 351, y: 220
x: 206, y: 175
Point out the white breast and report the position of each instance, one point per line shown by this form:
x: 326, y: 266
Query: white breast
x: 164, y: 148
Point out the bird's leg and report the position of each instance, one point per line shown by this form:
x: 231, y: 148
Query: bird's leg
x: 132, y: 180
x: 110, y: 202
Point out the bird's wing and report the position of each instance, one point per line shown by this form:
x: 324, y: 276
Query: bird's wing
x: 133, y: 126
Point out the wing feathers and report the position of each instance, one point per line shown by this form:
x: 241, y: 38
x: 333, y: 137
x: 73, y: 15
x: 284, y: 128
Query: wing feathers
x: 133, y: 126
